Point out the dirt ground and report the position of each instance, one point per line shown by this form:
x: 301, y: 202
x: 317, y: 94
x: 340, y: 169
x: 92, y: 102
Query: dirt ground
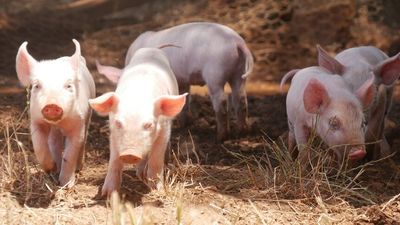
x: 245, y: 180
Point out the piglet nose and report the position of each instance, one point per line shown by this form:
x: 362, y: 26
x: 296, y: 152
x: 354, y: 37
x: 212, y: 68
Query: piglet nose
x: 52, y: 112
x: 131, y: 156
x: 357, y: 153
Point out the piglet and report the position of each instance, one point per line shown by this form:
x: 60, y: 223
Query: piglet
x: 355, y: 66
x: 140, y: 113
x: 210, y: 54
x: 59, y: 109
x: 323, y: 101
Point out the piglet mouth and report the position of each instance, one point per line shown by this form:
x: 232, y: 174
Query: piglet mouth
x: 357, y: 153
x: 131, y: 156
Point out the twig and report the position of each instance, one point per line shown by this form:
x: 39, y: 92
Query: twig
x: 390, y: 201
x: 257, y: 212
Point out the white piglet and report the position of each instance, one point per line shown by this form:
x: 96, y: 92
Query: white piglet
x: 59, y: 110
x: 210, y: 54
x: 140, y: 113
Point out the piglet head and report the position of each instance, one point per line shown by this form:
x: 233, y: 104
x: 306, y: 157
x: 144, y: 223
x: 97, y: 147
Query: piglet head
x: 135, y: 127
x: 54, y: 83
x: 340, y: 121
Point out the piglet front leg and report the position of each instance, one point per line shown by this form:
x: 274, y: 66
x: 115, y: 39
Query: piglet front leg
x: 155, y: 163
x: 75, y: 140
x: 302, y: 134
x: 113, y: 178
x: 376, y: 125
x: 81, y: 156
x: 40, y: 134
x: 114, y: 172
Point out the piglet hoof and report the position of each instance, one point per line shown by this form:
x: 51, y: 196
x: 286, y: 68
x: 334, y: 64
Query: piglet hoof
x: 131, y: 156
x: 183, y: 120
x: 49, y: 167
x: 385, y: 149
x: 222, y: 136
x: 110, y: 185
x: 244, y: 129
x: 154, y: 184
x: 140, y: 171
x: 67, y: 183
x: 153, y: 181
x: 107, y: 190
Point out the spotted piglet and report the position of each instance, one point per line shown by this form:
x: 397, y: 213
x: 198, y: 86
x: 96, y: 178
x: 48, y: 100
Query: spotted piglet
x: 322, y: 102
x: 59, y: 109
x: 356, y: 65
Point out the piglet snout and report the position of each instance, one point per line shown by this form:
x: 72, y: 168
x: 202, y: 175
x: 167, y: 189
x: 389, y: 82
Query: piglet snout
x: 52, y: 112
x: 357, y: 153
x: 130, y: 156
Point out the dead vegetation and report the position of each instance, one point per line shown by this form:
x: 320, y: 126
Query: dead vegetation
x: 264, y: 187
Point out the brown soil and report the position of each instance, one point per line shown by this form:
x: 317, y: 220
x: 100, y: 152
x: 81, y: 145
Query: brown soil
x: 241, y: 181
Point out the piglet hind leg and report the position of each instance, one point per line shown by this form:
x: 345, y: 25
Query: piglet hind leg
x: 75, y: 139
x: 218, y: 99
x: 184, y: 116
x: 292, y: 142
x: 40, y: 137
x: 239, y: 102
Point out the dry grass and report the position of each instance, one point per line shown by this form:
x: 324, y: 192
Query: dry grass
x: 273, y: 179
x: 263, y: 188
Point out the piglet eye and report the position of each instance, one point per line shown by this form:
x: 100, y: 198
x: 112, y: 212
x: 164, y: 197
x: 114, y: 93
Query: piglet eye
x: 118, y: 124
x: 147, y: 126
x: 68, y: 87
x: 364, y: 125
x: 36, y: 86
x: 334, y: 123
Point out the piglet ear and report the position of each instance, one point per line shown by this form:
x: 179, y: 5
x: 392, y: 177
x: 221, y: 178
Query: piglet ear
x: 24, y: 63
x: 328, y: 62
x: 315, y: 97
x: 105, y: 103
x: 76, y: 57
x: 169, y: 105
x: 388, y: 70
x: 366, y: 92
x: 112, y: 73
